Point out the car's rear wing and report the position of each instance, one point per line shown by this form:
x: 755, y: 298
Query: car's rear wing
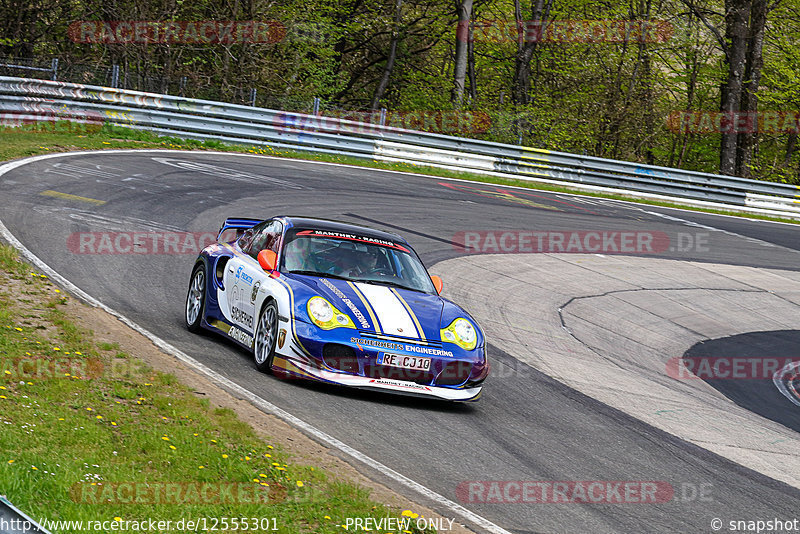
x: 240, y: 224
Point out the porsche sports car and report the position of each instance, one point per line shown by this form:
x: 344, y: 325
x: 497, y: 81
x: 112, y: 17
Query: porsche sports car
x: 336, y: 303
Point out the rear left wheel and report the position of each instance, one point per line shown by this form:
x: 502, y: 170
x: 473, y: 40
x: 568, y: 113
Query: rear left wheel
x: 266, y: 336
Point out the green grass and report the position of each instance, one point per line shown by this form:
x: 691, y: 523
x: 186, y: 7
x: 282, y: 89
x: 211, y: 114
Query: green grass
x: 83, y: 422
x: 30, y: 140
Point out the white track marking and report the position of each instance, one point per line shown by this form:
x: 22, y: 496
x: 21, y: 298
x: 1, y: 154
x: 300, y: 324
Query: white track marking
x: 231, y: 386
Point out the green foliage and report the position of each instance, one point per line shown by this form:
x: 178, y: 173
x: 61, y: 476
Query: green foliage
x: 602, y: 98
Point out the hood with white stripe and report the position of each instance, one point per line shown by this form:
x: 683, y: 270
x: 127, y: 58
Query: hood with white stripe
x: 381, y: 309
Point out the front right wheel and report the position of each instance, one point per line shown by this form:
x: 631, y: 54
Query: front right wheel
x: 196, y: 299
x: 266, y: 336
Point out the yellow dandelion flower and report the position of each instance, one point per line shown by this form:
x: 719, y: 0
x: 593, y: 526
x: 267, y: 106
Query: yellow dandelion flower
x: 172, y: 447
x: 117, y: 518
x: 300, y: 484
x: 255, y: 480
x: 78, y: 353
x: 224, y: 455
x: 56, y: 348
x: 11, y: 461
x: 18, y: 329
x: 88, y: 409
x: 98, y: 416
x: 201, y: 467
x: 247, y: 458
x: 275, y: 464
x: 213, y: 441
x: 113, y: 423
x: 327, y: 517
x: 34, y: 468
x: 262, y: 475
x: 165, y: 438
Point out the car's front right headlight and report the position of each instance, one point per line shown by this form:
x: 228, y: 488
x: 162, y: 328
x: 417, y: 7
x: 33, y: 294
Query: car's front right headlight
x: 323, y: 314
x: 462, y: 333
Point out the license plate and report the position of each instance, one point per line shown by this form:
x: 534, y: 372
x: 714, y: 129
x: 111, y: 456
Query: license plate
x: 404, y: 361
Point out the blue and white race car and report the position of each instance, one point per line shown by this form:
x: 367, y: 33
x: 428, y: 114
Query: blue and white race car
x: 336, y: 303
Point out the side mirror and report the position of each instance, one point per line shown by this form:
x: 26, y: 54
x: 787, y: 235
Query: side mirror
x: 267, y: 260
x: 437, y: 283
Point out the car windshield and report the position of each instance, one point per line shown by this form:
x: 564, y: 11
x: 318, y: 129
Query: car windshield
x: 355, y: 258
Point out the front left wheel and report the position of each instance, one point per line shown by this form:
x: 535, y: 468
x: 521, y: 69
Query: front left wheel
x: 266, y: 336
x: 196, y: 299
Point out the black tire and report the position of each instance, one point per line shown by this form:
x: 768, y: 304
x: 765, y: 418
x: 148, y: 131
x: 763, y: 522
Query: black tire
x: 265, y: 337
x: 196, y: 299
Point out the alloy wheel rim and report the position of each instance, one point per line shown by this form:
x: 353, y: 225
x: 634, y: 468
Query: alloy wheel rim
x: 194, y: 300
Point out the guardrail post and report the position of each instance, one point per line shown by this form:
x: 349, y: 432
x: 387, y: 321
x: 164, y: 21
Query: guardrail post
x: 383, y: 116
x: 316, y: 105
x: 54, y: 68
x: 253, y: 96
x: 182, y: 86
x: 115, y: 76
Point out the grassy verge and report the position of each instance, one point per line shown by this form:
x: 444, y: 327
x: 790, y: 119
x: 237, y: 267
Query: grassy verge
x: 90, y: 433
x: 30, y: 140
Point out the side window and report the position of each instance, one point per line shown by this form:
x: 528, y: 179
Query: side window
x: 246, y: 237
x: 267, y: 237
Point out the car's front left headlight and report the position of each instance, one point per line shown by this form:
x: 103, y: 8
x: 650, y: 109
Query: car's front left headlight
x: 326, y: 316
x: 462, y: 333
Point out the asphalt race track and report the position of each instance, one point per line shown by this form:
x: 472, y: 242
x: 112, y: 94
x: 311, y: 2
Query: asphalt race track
x: 527, y: 427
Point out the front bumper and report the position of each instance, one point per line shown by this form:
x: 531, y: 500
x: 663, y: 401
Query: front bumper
x: 304, y: 357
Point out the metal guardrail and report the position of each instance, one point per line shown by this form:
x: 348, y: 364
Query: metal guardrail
x: 15, y: 521
x: 200, y: 119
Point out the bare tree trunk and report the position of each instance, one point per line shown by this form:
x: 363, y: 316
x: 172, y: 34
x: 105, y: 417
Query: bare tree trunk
x: 521, y: 84
x: 752, y: 79
x: 463, y: 38
x: 691, y: 66
x: 737, y: 13
x: 390, y: 59
x: 473, y: 84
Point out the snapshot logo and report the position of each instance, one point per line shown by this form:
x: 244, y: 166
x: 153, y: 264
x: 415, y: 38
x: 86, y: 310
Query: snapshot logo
x: 733, y: 368
x: 178, y: 493
x: 139, y: 242
x: 566, y: 31
x: 711, y: 122
x: 368, y: 122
